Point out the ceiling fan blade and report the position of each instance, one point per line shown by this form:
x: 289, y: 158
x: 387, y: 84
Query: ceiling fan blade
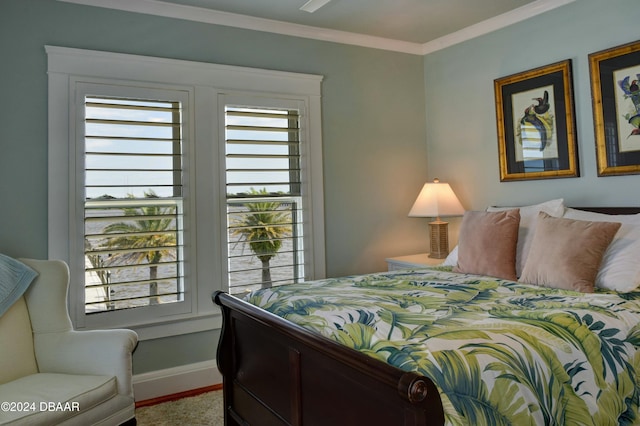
x: 313, y: 5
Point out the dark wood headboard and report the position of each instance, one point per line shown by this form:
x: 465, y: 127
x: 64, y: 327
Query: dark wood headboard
x: 611, y: 210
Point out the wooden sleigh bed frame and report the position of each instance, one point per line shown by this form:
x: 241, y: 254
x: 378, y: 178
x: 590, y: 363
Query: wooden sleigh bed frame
x: 278, y: 373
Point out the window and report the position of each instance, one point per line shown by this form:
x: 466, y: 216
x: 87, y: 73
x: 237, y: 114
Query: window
x: 133, y: 225
x: 265, y: 218
x: 151, y: 165
x: 133, y: 203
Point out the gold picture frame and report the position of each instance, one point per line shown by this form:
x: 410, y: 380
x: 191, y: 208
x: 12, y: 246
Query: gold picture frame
x: 615, y: 76
x: 536, y: 124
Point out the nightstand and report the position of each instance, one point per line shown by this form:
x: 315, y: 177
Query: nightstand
x: 421, y: 260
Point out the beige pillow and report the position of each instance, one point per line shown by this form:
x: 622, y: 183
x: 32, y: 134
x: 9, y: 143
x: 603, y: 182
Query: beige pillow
x: 567, y: 253
x: 528, y: 218
x: 487, y: 243
x: 620, y: 268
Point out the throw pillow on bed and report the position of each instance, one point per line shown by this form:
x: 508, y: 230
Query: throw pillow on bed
x: 620, y: 268
x: 528, y: 218
x: 487, y: 243
x: 566, y: 253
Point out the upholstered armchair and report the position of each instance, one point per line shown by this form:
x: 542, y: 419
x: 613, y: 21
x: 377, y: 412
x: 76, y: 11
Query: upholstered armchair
x: 52, y: 374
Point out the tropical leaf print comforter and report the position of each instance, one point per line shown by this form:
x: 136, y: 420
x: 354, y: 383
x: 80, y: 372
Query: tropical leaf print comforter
x: 500, y: 352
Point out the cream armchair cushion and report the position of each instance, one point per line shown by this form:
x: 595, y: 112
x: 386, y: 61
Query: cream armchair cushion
x: 43, y: 360
x: 17, y: 358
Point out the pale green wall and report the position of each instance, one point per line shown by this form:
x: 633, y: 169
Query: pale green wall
x: 461, y: 118
x: 375, y: 155
x: 373, y: 131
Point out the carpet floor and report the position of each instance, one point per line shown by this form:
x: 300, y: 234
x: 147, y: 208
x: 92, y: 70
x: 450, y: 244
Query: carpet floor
x: 200, y: 410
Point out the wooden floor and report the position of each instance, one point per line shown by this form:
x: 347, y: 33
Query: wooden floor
x: 176, y: 396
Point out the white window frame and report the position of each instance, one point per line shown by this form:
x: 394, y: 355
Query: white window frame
x: 306, y: 165
x: 83, y: 87
x: 207, y: 264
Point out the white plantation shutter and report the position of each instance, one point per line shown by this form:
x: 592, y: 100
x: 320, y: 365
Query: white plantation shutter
x: 264, y: 199
x: 133, y: 203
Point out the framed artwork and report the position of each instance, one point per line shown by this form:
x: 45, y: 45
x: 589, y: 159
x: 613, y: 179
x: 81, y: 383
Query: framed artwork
x: 536, y: 124
x: 615, y: 76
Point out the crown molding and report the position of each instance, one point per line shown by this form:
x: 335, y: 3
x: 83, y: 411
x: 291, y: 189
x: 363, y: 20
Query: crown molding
x: 209, y: 16
x: 492, y: 24
x: 191, y: 13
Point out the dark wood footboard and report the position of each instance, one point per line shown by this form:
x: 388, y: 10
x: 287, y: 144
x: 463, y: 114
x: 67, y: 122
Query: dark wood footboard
x: 278, y: 373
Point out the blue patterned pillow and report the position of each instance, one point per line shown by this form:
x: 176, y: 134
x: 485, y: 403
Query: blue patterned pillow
x: 15, y: 278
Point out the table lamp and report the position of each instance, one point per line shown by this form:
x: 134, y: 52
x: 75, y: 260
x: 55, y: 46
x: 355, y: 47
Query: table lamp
x: 437, y: 199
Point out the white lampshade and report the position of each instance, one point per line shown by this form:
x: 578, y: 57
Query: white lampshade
x: 436, y: 199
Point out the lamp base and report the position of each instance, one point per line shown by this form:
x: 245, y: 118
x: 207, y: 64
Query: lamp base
x: 439, y: 239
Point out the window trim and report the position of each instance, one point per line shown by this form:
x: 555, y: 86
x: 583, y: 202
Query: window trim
x: 82, y: 87
x: 68, y: 65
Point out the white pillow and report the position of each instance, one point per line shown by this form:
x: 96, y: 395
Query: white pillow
x: 620, y: 267
x: 452, y: 258
x: 528, y: 218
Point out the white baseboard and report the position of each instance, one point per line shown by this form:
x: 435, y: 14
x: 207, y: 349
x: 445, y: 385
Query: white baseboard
x: 155, y: 384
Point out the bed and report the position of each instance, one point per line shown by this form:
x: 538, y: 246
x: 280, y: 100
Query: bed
x: 441, y: 345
